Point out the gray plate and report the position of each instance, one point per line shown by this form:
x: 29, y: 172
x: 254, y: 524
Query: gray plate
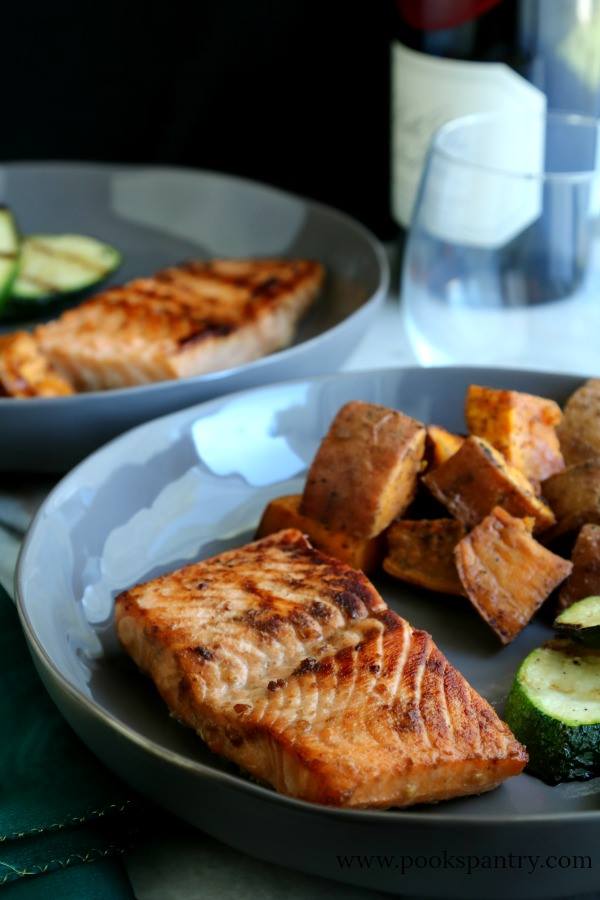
x: 194, y: 483
x: 160, y: 216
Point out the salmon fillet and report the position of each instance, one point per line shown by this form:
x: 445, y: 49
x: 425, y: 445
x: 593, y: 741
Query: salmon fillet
x: 25, y: 372
x: 289, y: 663
x: 187, y: 320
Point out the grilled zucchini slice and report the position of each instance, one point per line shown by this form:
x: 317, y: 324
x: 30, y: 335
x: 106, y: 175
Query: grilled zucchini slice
x: 581, y: 621
x: 10, y: 242
x: 554, y: 709
x: 53, y: 265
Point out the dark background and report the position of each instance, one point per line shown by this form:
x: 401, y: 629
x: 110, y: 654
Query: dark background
x: 292, y: 92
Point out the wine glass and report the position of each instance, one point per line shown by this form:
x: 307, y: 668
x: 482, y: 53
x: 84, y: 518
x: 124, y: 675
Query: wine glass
x: 502, y: 262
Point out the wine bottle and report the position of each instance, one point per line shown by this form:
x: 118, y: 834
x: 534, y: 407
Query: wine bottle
x: 454, y: 57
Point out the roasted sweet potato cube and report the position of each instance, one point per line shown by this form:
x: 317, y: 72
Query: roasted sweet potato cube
x: 360, y: 553
x: 506, y: 573
x: 441, y: 445
x: 477, y: 478
x: 579, y: 431
x: 521, y: 426
x: 574, y: 496
x: 584, y: 580
x: 365, y: 471
x: 422, y: 552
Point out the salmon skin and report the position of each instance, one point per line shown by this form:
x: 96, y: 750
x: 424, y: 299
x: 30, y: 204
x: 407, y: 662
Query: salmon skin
x: 187, y: 320
x: 290, y: 664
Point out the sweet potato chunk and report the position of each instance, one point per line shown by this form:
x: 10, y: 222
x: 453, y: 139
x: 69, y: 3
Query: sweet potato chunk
x: 584, y: 580
x: 422, y: 553
x: 506, y: 573
x: 441, y: 445
x: 365, y: 471
x: 574, y: 496
x: 579, y: 431
x: 477, y: 478
x: 521, y: 426
x: 360, y: 553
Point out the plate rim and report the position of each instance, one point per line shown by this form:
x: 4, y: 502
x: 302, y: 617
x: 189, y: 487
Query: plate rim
x: 375, y: 298
x: 236, y: 781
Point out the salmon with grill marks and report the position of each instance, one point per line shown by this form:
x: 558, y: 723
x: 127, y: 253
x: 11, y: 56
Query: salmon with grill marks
x: 25, y: 372
x: 289, y: 663
x: 186, y: 320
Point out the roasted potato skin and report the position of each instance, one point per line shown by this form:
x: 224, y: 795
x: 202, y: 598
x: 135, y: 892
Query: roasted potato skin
x: 579, y: 431
x: 584, y: 580
x: 522, y: 427
x: 441, y: 445
x: 477, y: 478
x: 421, y: 552
x: 492, y: 561
x: 574, y: 496
x: 360, y: 553
x: 364, y: 474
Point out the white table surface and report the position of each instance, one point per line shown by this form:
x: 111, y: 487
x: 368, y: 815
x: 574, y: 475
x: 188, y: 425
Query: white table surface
x: 189, y: 865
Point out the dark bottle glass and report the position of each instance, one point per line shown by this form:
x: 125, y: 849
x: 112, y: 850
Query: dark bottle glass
x: 454, y: 57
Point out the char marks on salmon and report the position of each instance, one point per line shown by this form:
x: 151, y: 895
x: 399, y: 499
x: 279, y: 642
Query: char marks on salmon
x: 187, y: 320
x: 290, y: 664
x: 25, y: 371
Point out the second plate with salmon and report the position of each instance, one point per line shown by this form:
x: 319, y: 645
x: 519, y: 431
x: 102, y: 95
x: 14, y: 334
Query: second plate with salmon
x: 214, y: 284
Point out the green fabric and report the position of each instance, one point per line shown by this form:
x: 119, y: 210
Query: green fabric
x: 59, y: 808
x: 104, y: 880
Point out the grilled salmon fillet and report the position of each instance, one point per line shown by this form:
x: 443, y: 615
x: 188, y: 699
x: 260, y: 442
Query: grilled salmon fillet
x: 25, y: 372
x: 187, y: 320
x: 289, y: 663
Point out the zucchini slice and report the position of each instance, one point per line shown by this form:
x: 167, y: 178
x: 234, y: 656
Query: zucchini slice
x: 56, y: 264
x: 581, y: 621
x: 9, y: 252
x: 554, y: 709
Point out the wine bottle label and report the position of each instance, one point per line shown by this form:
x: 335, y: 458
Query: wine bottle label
x: 427, y: 92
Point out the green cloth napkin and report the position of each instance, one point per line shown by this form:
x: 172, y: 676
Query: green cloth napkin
x: 59, y: 808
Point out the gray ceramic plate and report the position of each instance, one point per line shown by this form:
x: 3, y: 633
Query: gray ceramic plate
x: 160, y: 216
x: 194, y: 483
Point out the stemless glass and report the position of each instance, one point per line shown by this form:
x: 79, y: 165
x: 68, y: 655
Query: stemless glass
x: 502, y: 263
